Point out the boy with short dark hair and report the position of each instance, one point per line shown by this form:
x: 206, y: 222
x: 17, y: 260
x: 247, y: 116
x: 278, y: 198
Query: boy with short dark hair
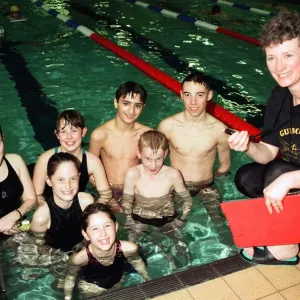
x: 115, y: 141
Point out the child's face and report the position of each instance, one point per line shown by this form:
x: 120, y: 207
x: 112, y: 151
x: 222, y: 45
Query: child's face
x: 69, y: 136
x: 64, y: 182
x: 101, y: 231
x: 129, y: 108
x: 195, y: 97
x: 15, y: 14
x: 152, y: 161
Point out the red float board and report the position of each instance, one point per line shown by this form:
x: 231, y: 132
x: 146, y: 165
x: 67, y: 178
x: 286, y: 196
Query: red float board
x: 251, y: 223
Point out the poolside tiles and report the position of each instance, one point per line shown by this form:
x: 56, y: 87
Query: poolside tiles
x: 257, y: 283
x: 227, y: 279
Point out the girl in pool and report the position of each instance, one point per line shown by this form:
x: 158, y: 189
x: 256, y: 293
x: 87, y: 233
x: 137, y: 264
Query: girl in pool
x: 70, y: 130
x: 102, y: 260
x: 57, y: 220
x: 15, y: 183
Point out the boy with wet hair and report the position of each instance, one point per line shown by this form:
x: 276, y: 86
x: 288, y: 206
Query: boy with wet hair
x: 195, y: 138
x: 70, y: 129
x: 115, y: 141
x: 148, y: 190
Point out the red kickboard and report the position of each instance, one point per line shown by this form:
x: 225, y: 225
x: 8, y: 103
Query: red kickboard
x: 251, y: 223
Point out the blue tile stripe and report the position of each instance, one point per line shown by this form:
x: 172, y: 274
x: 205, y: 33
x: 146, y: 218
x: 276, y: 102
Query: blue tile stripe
x: 245, y: 7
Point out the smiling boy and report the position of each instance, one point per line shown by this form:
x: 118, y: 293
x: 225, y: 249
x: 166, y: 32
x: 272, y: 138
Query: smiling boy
x: 115, y: 141
x: 148, y: 190
x: 195, y: 138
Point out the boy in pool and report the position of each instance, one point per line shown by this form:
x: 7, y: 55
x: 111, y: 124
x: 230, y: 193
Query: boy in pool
x: 101, y: 261
x: 57, y: 221
x: 70, y: 129
x: 195, y: 139
x: 116, y: 140
x: 148, y: 189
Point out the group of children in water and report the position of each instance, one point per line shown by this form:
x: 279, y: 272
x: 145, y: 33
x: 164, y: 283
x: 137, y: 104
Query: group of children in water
x: 146, y: 193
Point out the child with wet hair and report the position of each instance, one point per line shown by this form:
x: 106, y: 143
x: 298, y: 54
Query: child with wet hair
x: 148, y: 191
x: 101, y: 262
x: 70, y: 130
x: 56, y: 222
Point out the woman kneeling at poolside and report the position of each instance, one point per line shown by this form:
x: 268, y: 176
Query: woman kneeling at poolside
x: 15, y: 183
x: 58, y: 219
x: 102, y: 260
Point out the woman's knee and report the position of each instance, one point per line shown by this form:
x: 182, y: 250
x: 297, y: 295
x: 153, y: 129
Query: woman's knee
x: 276, y: 168
x: 248, y: 180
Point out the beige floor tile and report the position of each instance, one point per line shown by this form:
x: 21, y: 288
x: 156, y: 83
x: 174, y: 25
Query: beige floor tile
x: 281, y: 277
x: 216, y: 289
x: 250, y: 284
x: 276, y: 296
x: 292, y: 293
x: 178, y: 295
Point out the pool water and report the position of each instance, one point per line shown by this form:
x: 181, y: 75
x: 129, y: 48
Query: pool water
x: 48, y: 67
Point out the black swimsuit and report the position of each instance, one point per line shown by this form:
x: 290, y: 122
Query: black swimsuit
x: 104, y: 276
x: 11, y: 190
x: 65, y: 229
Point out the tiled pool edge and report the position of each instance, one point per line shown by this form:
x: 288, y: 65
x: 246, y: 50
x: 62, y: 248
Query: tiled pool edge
x: 177, y: 281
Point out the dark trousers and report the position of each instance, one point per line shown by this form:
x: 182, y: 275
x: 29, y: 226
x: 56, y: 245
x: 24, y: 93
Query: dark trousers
x: 251, y: 179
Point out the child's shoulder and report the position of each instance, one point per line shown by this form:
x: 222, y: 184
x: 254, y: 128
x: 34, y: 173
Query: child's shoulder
x: 85, y: 199
x: 171, y: 172
x: 129, y: 247
x: 79, y: 258
x: 134, y: 172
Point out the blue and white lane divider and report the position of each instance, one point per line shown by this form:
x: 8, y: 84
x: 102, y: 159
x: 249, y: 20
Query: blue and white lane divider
x: 193, y: 21
x: 84, y: 30
x: 174, y: 15
x: 245, y: 7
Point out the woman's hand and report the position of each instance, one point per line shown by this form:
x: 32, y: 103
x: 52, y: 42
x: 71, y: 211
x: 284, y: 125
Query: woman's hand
x: 275, y: 192
x: 239, y: 141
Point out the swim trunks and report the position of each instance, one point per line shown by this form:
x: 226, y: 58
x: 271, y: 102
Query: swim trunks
x: 194, y: 187
x: 117, y: 191
x: 154, y: 222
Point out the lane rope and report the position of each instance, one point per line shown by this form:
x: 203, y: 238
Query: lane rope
x: 245, y: 7
x: 194, y: 21
x: 216, y: 110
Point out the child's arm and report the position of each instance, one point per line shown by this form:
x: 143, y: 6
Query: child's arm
x: 96, y: 170
x: 39, y: 175
x: 76, y: 261
x: 130, y: 251
x: 40, y: 223
x: 128, y: 193
x: 183, y: 193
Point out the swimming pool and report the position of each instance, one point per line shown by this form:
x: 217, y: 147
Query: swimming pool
x: 48, y: 67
